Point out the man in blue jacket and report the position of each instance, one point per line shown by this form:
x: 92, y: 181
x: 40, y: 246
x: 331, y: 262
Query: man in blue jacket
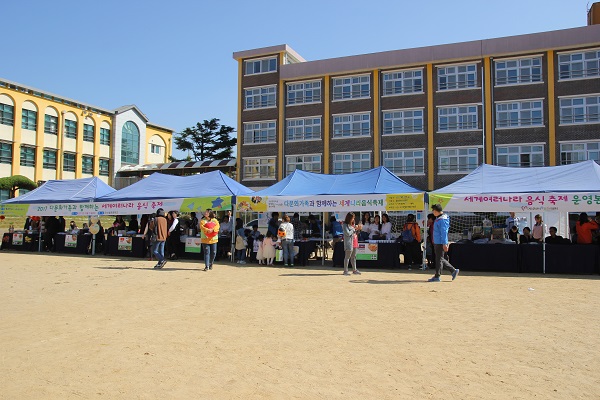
x: 441, y: 226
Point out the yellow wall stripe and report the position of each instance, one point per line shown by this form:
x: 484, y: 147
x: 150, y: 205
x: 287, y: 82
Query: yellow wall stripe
x: 430, y: 116
x: 376, y: 132
x: 489, y: 151
x: 240, y: 165
x: 326, y: 118
x: 551, y: 110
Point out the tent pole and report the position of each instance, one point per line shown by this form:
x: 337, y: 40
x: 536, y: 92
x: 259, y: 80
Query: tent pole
x: 424, y: 260
x: 231, y: 248
x: 543, y: 243
x: 323, y: 249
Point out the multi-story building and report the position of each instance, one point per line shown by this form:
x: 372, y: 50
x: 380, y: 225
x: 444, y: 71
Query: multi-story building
x: 430, y: 115
x: 45, y: 136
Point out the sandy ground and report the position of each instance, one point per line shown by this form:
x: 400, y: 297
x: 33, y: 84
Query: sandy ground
x: 76, y: 327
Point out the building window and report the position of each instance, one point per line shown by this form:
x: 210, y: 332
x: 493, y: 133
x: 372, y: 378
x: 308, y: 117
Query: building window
x: 69, y: 162
x: 402, y: 82
x: 351, y: 87
x: 580, y: 110
x: 155, y: 149
x: 571, y: 153
x: 520, y: 156
x: 50, y: 124
x: 261, y: 66
x: 303, y: 92
x: 524, y: 70
x: 4, y: 194
x: 5, y: 153
x: 7, y: 114
x: 87, y: 165
x: 260, y: 97
x: 49, y: 159
x: 259, y: 132
x: 105, y: 136
x: 29, y: 120
x: 405, y: 162
x: 579, y: 65
x: 402, y: 121
x: 457, y: 77
x: 88, y: 133
x: 104, y: 167
x: 303, y: 129
x: 130, y: 143
x: 27, y: 156
x: 458, y: 160
x: 461, y: 118
x: 351, y: 125
x: 519, y: 114
x: 305, y: 162
x: 70, y: 129
x: 347, y: 163
x: 259, y: 168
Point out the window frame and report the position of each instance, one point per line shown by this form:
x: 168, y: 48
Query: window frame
x: 50, y: 122
x: 101, y: 171
x: 27, y: 116
x: 303, y: 163
x: 261, y: 59
x: 586, y: 114
x: 351, y: 94
x: 6, y: 147
x: 272, y: 164
x: 48, y: 162
x: 353, y: 116
x: 67, y: 162
x: 26, y: 161
x: 384, y: 129
x: 86, y: 133
x: 105, y: 136
x: 70, y: 128
x: 459, y: 171
x: 4, y: 112
x: 256, y: 95
x: 519, y: 110
x: 303, y: 135
x: 584, y: 74
x: 153, y: 146
x: 87, y: 164
x: 260, y: 129
x: 518, y: 68
x: 337, y: 171
x: 521, y: 152
x: 465, y: 84
x: 313, y: 98
x: 415, y: 169
x: 587, y: 151
x: 393, y: 91
x: 468, y: 124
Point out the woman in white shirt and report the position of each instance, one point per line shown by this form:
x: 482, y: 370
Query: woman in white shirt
x: 375, y: 227
x: 366, y: 226
x: 386, y: 227
x: 287, y: 241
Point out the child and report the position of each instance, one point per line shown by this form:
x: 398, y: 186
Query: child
x: 240, y: 248
x: 269, y: 249
x: 258, y: 246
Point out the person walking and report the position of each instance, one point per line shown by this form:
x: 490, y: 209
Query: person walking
x: 174, y: 235
x: 287, y: 241
x: 440, y: 243
x: 350, y: 243
x: 209, y: 227
x: 161, y: 238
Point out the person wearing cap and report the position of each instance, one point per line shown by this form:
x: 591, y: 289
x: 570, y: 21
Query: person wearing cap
x: 441, y: 226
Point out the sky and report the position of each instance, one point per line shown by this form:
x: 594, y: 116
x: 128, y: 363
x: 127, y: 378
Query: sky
x: 173, y: 59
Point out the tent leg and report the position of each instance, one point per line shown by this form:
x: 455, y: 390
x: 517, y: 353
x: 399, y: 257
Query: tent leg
x: 323, y: 249
x: 94, y: 244
x: 424, y: 260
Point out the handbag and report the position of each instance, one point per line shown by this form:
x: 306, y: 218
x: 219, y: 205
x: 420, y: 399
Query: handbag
x: 278, y: 255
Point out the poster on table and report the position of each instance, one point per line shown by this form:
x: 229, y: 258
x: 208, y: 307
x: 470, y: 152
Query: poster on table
x: 196, y: 204
x: 518, y: 202
x: 193, y: 245
x: 125, y: 243
x: 17, y: 239
x: 367, y: 251
x: 70, y: 240
x: 332, y: 203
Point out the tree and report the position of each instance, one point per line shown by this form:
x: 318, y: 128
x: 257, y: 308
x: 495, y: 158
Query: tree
x: 12, y: 183
x: 208, y: 140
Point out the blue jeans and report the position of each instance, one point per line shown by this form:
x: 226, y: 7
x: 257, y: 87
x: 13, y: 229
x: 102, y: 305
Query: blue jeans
x: 159, y: 250
x: 288, y: 251
x: 210, y: 252
x: 240, y: 255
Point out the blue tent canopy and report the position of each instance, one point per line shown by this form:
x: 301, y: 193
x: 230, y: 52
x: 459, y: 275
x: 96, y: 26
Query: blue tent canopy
x: 161, y: 186
x: 488, y: 179
x: 65, y: 191
x: 375, y: 181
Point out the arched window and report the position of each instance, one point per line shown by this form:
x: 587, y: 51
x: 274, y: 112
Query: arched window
x: 130, y: 144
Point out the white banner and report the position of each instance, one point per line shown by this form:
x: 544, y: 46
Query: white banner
x: 518, y: 202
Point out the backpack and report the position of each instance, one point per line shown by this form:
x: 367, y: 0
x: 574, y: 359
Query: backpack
x: 240, y: 243
x: 407, y: 234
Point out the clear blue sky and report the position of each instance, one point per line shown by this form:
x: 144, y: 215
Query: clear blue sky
x: 173, y: 59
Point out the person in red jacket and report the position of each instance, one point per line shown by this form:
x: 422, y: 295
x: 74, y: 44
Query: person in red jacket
x: 584, y: 228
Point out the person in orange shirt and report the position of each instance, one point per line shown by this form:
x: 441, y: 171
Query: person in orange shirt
x: 209, y: 228
x: 584, y: 228
x: 413, y: 253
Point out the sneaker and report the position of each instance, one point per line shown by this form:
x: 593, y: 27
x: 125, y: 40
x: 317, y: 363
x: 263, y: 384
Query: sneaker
x: 346, y: 273
x: 455, y: 273
x: 210, y: 266
x: 157, y: 266
x: 161, y: 264
x: 434, y: 279
x: 205, y: 269
x: 285, y: 265
x: 356, y: 272
x: 241, y: 262
x: 291, y: 265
